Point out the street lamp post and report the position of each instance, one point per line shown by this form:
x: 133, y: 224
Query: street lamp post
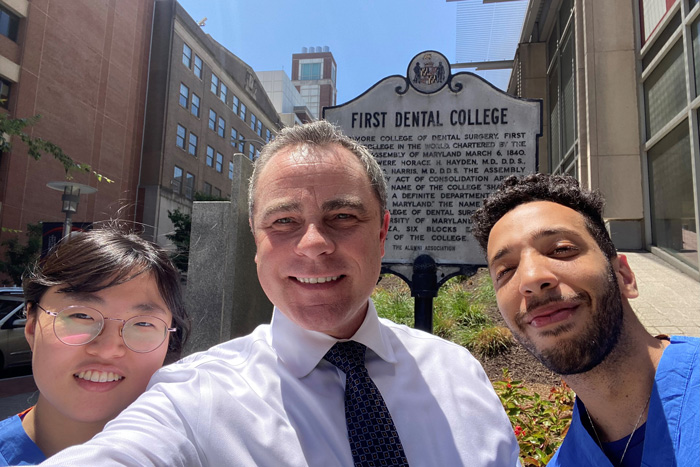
x: 71, y: 197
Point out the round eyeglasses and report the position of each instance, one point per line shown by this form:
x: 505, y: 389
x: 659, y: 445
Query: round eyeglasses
x: 80, y: 325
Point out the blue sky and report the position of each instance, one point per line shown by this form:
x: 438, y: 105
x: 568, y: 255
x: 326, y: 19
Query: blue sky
x: 370, y: 39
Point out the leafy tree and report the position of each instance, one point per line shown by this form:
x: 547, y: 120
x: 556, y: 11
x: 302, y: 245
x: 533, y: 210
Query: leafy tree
x: 10, y: 126
x: 180, y: 238
x: 19, y: 257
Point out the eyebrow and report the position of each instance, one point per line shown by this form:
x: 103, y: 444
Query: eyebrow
x: 537, y: 235
x: 289, y: 206
x: 90, y: 298
x: 344, y: 203
x: 347, y: 202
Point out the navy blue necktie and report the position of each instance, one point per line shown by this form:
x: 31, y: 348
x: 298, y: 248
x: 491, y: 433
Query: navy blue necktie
x: 373, y: 437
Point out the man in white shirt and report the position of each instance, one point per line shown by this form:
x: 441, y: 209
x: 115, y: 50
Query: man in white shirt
x: 318, y: 213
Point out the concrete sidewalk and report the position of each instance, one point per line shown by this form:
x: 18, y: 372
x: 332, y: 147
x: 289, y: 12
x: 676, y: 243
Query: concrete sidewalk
x: 669, y: 301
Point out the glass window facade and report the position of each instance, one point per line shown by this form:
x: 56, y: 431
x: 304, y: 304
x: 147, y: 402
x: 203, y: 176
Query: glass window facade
x: 671, y: 115
x: 671, y: 193
x: 311, y: 70
x: 664, y: 91
x: 561, y: 81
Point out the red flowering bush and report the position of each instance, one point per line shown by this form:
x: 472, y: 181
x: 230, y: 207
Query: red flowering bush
x: 539, y: 424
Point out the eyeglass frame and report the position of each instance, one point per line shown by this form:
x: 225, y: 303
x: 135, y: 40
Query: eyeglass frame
x: 54, y: 314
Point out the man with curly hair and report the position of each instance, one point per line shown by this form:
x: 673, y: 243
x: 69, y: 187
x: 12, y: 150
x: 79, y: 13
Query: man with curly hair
x: 564, y: 292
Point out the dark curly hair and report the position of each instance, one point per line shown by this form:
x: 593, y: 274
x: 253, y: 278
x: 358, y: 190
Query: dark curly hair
x: 560, y: 189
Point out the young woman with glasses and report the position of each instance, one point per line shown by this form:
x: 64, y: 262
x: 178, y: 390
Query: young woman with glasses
x: 104, y: 311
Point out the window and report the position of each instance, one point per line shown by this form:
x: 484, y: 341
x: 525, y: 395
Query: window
x: 230, y: 170
x: 219, y: 162
x: 223, y: 92
x: 207, y: 188
x: 257, y: 153
x: 186, y: 55
x: 241, y: 142
x: 222, y: 127
x: 176, y: 182
x: 234, y: 105
x: 251, y: 152
x: 333, y: 72
x: 180, y: 139
x: 9, y: 24
x: 210, y: 156
x: 5, y: 87
x: 197, y: 66
x: 212, y: 120
x: 195, y: 105
x: 253, y: 119
x: 268, y: 135
x: 189, y: 185
x: 242, y: 112
x: 184, y: 95
x: 216, y: 192
x: 214, y: 84
x: 234, y: 137
x: 193, y: 144
x: 258, y: 128
x: 310, y: 70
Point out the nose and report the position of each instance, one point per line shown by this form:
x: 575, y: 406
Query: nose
x: 535, y: 274
x: 314, y: 241
x: 109, y: 343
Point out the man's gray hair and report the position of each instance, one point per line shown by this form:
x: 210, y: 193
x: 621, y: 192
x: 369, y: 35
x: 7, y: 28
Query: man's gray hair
x: 318, y: 134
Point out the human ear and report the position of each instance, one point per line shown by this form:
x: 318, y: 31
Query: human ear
x: 30, y: 327
x: 384, y: 229
x: 625, y: 277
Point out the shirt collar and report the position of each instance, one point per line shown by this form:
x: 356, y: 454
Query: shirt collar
x: 301, y: 350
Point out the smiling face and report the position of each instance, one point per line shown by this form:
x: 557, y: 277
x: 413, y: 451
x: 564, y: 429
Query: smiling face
x: 555, y: 288
x: 68, y: 377
x: 320, y: 235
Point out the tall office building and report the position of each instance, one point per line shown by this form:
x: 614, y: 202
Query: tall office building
x: 204, y: 105
x: 620, y: 83
x: 82, y: 66
x: 313, y: 74
x: 289, y: 104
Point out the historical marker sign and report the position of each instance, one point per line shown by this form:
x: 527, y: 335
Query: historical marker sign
x: 444, y: 142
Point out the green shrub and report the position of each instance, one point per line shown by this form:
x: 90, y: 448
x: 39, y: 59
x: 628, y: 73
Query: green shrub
x: 539, y: 424
x: 489, y: 341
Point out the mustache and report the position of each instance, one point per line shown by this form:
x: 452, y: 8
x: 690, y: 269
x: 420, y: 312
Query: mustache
x: 536, y: 303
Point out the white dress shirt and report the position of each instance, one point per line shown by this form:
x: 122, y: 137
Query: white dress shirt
x: 269, y: 399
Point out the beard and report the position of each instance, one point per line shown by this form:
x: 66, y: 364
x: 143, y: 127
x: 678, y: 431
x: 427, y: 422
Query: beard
x: 588, y: 348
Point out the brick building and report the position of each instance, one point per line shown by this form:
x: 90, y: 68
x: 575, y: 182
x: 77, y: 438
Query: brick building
x: 84, y: 67
x: 204, y: 105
